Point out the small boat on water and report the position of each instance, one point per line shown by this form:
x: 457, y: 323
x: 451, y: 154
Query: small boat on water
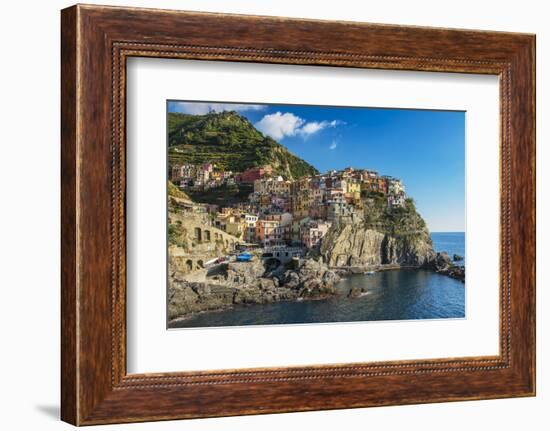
x: 369, y: 272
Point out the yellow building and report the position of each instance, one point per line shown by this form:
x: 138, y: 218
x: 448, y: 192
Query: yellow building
x: 353, y: 189
x: 272, y: 185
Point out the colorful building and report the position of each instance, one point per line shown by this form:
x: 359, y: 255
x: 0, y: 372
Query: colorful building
x: 313, y: 232
x: 395, y: 186
x: 266, y: 232
x: 252, y: 174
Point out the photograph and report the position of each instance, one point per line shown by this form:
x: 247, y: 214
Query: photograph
x: 300, y: 214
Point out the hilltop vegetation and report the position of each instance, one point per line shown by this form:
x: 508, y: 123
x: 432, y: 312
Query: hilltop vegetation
x: 230, y: 141
x: 396, y: 221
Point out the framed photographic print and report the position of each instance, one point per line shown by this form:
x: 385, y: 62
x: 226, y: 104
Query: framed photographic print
x: 319, y: 214
x: 251, y: 223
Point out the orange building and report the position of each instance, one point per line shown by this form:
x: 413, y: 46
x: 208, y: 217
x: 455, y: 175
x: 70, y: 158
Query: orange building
x: 267, y: 232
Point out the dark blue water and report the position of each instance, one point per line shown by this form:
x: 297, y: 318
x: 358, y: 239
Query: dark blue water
x: 390, y: 295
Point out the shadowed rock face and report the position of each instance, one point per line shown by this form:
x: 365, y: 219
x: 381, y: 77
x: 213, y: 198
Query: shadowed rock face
x: 356, y: 245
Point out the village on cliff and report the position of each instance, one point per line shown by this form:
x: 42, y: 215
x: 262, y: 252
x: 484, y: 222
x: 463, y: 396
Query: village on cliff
x: 290, y: 216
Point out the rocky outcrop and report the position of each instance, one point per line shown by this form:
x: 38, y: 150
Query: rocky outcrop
x: 247, y: 283
x: 186, y: 298
x: 443, y: 265
x: 411, y: 250
x: 311, y: 280
x: 441, y: 262
x: 356, y: 291
x: 357, y: 245
x: 239, y: 274
x: 455, y: 271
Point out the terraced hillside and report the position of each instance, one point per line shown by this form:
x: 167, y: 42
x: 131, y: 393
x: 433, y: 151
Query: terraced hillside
x: 230, y: 141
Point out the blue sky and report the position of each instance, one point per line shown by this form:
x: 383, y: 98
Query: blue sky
x: 425, y: 148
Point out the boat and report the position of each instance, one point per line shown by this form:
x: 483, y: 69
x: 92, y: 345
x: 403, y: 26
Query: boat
x: 244, y: 257
x: 369, y: 272
x: 211, y: 262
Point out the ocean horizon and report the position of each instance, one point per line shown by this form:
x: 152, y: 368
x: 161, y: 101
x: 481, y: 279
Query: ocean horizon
x: 451, y: 242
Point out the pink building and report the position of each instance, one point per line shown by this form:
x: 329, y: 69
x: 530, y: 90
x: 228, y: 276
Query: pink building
x: 313, y: 232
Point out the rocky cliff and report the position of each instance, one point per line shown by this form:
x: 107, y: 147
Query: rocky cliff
x: 357, y: 245
x: 398, y: 236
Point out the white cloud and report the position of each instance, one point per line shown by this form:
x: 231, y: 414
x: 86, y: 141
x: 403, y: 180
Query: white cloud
x: 311, y: 128
x: 278, y: 125
x: 201, y: 108
x: 316, y: 126
x: 333, y: 145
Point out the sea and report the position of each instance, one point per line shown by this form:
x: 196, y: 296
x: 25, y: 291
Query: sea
x: 452, y: 243
x: 389, y: 295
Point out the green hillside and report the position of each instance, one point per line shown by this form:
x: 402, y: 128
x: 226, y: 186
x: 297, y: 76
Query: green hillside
x: 176, y: 192
x: 231, y: 142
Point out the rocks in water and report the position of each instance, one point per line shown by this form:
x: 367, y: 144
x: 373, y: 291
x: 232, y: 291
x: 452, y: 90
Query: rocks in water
x: 356, y: 292
x: 441, y: 262
x: 458, y: 272
x: 354, y: 247
x: 247, y: 283
x: 454, y: 271
x: 186, y: 298
x: 311, y: 279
